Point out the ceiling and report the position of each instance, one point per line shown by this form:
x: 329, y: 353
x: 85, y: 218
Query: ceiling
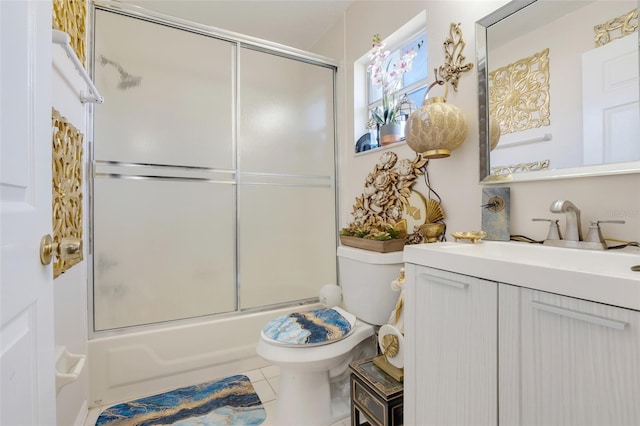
x: 295, y: 23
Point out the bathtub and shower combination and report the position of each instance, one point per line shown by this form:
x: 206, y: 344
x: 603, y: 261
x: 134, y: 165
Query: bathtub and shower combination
x: 213, y: 197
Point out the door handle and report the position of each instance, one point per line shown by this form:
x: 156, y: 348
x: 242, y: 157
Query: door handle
x: 582, y: 316
x: 67, y: 249
x: 444, y: 281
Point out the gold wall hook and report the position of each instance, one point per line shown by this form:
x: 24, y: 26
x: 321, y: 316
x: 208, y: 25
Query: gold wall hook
x: 68, y: 249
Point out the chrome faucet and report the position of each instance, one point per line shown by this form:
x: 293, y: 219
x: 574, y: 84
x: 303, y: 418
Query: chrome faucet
x: 573, y: 230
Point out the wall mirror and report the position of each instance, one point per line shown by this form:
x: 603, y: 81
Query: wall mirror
x: 559, y: 79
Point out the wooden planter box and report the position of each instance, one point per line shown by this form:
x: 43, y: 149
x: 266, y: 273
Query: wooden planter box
x: 373, y: 245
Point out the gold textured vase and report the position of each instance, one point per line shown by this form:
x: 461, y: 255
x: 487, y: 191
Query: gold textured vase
x: 436, y: 128
x: 432, y: 231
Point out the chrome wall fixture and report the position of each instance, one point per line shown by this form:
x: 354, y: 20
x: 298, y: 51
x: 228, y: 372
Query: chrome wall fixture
x: 127, y: 80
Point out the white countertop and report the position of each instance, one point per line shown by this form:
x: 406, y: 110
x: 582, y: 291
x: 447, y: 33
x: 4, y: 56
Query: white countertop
x: 599, y: 276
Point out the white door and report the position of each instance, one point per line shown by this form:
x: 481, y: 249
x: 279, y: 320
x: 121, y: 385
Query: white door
x: 610, y: 102
x: 27, y: 391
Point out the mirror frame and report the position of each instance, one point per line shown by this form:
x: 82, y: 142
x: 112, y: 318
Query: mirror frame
x: 482, y: 25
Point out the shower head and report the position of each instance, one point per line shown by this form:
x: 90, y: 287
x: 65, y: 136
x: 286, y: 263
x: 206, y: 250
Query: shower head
x: 127, y: 80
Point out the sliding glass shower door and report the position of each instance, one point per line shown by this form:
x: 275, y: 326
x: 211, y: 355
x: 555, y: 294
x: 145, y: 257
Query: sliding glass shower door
x: 213, y: 175
x: 286, y: 192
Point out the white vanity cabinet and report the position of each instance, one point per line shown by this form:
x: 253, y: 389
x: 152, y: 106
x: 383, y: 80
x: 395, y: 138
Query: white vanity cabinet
x: 480, y: 352
x: 566, y: 361
x: 451, y: 349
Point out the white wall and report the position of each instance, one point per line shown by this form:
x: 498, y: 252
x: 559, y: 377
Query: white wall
x: 456, y: 178
x: 70, y: 288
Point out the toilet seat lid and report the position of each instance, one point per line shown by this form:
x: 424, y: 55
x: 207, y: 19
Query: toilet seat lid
x: 309, y: 328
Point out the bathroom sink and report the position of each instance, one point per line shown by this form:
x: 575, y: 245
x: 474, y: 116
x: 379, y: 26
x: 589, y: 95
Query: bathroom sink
x: 600, y: 276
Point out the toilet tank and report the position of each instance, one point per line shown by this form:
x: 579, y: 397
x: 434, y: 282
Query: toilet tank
x: 365, y: 277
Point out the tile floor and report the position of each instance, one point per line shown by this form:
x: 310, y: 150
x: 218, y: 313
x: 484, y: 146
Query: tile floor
x: 264, y: 380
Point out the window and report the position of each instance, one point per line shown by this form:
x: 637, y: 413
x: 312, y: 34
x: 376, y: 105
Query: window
x: 413, y: 83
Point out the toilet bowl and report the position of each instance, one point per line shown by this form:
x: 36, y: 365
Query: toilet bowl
x: 314, y: 377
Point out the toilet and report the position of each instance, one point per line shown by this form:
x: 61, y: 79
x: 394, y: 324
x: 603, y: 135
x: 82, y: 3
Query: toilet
x: 314, y: 374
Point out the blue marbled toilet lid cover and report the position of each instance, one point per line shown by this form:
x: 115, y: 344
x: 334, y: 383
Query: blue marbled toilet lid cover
x: 315, y: 327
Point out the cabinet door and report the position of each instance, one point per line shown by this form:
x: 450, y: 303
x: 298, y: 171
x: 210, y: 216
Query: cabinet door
x: 451, y: 342
x: 580, y: 362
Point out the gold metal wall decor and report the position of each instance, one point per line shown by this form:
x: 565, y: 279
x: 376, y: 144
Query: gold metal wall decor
x: 615, y: 28
x: 521, y: 167
x: 519, y: 94
x: 386, y: 194
x: 454, y: 59
x: 70, y: 16
x: 67, y: 187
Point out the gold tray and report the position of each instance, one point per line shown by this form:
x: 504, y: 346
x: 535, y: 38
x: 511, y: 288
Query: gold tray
x: 472, y: 236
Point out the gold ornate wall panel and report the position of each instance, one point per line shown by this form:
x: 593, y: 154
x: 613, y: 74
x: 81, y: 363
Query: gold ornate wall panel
x: 70, y: 16
x: 615, y: 28
x: 519, y: 94
x: 67, y: 186
x: 521, y: 167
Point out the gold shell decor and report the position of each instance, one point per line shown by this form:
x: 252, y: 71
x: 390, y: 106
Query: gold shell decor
x: 390, y: 345
x: 434, y: 212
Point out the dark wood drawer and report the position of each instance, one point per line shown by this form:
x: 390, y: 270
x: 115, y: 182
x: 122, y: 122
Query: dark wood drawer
x: 375, y: 395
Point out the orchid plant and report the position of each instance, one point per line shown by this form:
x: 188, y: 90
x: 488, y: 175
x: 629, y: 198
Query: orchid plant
x: 388, y: 77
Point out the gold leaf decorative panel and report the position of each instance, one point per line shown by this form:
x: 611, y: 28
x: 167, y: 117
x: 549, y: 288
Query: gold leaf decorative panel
x: 519, y: 94
x: 70, y: 16
x: 615, y: 28
x: 67, y: 186
x: 521, y: 167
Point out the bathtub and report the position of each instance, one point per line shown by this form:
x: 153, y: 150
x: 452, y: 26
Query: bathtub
x: 136, y: 364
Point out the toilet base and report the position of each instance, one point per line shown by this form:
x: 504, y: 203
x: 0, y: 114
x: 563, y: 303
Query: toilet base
x: 321, y: 397
x: 303, y: 399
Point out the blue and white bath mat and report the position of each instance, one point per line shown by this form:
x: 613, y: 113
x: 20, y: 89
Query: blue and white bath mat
x: 316, y: 327
x: 228, y: 401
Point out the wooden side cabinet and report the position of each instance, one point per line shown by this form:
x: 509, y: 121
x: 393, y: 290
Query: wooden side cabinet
x: 374, y: 395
